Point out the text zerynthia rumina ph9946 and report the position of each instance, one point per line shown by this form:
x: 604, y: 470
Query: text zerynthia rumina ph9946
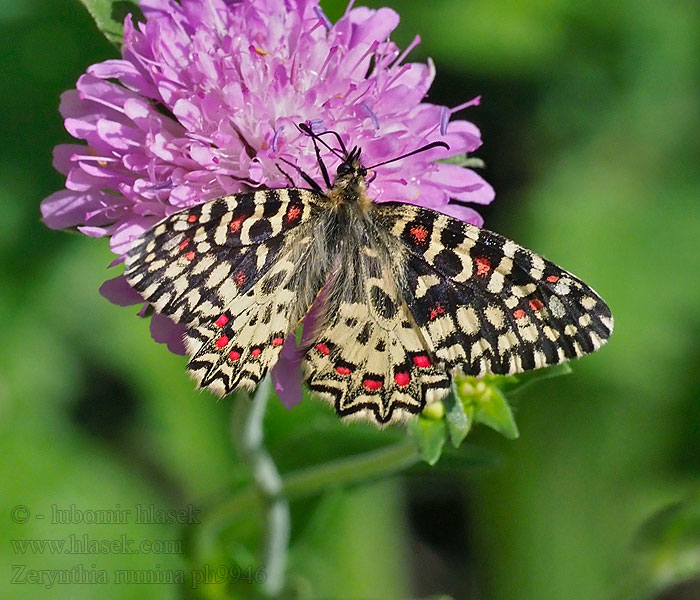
x: 411, y: 297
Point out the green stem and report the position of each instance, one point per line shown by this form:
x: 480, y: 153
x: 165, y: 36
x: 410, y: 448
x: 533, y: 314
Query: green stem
x: 269, y: 485
x: 314, y: 480
x: 345, y: 471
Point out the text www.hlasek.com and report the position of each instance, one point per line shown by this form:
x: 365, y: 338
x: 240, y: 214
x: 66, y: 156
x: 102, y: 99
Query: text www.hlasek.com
x: 85, y: 544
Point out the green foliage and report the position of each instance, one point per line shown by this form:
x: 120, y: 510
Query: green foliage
x: 464, y: 160
x: 430, y: 435
x: 473, y: 401
x: 486, y: 404
x: 109, y: 16
x: 667, y: 548
x: 459, y: 419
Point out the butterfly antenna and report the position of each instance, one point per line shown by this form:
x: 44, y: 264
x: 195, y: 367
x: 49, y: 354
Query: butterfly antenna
x: 429, y: 146
x: 317, y: 136
x: 337, y: 137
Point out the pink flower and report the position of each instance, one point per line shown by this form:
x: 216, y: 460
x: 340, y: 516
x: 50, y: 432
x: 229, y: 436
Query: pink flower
x: 205, y: 100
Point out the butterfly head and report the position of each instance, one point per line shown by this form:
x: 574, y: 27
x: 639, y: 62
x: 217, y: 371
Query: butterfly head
x: 350, y: 183
x: 350, y: 175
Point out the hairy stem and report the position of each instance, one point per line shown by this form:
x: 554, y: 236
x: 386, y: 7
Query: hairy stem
x: 308, y: 482
x: 270, y: 487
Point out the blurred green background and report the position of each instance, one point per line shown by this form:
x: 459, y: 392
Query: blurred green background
x: 590, y: 120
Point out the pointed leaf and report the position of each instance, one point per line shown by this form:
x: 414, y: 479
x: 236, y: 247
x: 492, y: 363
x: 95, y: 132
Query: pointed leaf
x: 463, y: 160
x: 458, y: 422
x: 493, y: 410
x: 513, y: 384
x: 430, y: 436
x: 109, y: 16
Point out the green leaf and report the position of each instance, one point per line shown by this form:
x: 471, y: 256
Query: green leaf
x: 667, y: 549
x: 462, y: 160
x: 430, y: 436
x: 458, y: 419
x: 493, y: 410
x: 513, y: 384
x: 109, y: 16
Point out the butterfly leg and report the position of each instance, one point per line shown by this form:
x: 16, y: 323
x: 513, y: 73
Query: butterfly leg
x: 305, y: 176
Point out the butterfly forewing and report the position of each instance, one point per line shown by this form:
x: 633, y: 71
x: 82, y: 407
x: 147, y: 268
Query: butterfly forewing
x: 231, y: 270
x: 195, y: 262
x: 485, y: 304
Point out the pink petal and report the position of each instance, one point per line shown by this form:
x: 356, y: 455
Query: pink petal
x: 462, y: 136
x: 95, y: 232
x: 127, y: 233
x: 370, y: 25
x: 126, y: 72
x: 68, y: 208
x: 461, y: 213
x: 286, y: 374
x: 461, y: 183
x: 166, y: 331
x: 119, y: 292
x: 62, y: 155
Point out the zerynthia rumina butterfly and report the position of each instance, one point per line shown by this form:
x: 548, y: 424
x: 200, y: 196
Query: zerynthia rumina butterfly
x: 411, y: 297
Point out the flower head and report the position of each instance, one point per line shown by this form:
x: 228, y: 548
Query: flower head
x: 205, y: 101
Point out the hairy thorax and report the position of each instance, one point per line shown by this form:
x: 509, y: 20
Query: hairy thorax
x: 350, y: 192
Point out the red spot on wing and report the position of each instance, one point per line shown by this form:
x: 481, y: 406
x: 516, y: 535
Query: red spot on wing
x: 419, y: 234
x: 184, y: 243
x: 421, y: 361
x: 234, y: 356
x: 222, y: 341
x: 256, y: 352
x: 240, y: 278
x: 293, y: 213
x: 221, y: 321
x: 323, y: 349
x: 341, y: 370
x: 535, y: 304
x: 192, y: 219
x: 190, y: 255
x: 372, y: 384
x: 402, y: 379
x: 235, y: 225
x: 436, y: 311
x: 519, y: 314
x: 483, y: 266
x: 553, y: 278
x: 278, y: 341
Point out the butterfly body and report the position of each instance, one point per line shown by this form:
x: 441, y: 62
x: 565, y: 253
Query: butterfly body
x: 410, y: 297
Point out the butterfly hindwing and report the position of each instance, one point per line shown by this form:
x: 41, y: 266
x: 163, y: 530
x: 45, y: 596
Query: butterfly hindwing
x: 236, y: 348
x: 230, y: 270
x: 485, y: 304
x: 369, y: 359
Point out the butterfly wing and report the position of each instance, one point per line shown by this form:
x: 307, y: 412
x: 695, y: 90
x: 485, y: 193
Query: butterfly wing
x: 487, y: 305
x: 234, y: 270
x: 368, y: 358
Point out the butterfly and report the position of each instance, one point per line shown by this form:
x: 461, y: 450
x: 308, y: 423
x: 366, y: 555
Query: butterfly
x: 410, y: 297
